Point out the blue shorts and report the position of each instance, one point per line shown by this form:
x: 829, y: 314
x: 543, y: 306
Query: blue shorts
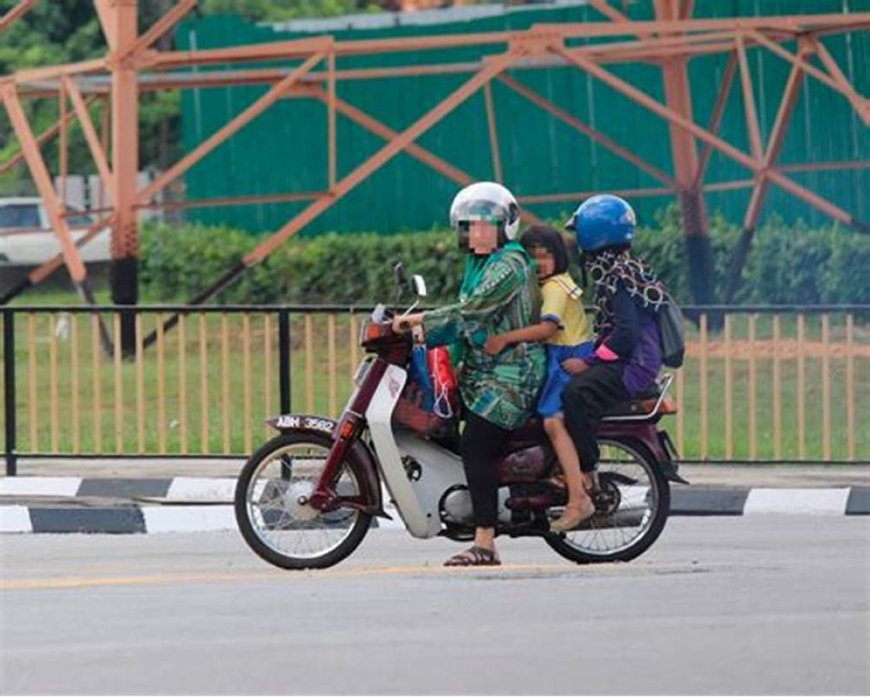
x: 550, y: 401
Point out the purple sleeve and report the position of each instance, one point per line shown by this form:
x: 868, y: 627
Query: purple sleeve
x: 622, y: 339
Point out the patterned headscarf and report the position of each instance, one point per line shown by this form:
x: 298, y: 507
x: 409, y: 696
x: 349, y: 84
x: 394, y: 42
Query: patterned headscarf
x: 607, y: 269
x: 476, y: 265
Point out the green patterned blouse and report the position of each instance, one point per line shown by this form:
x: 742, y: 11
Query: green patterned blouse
x: 502, y: 389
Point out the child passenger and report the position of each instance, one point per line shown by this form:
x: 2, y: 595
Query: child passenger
x: 568, y: 334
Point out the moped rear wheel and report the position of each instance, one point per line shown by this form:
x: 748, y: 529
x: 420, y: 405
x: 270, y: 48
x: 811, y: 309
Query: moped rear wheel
x: 632, y: 505
x: 272, y: 514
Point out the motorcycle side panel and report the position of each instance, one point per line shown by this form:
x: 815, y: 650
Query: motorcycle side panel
x: 526, y: 465
x: 440, y: 470
x: 419, y: 522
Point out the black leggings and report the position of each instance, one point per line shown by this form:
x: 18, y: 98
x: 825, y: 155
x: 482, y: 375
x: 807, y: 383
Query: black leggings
x: 585, y: 399
x: 481, y: 448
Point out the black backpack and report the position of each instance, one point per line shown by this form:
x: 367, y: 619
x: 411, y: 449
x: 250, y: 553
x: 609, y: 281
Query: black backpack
x: 672, y: 333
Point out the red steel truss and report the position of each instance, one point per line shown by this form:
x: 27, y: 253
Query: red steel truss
x: 671, y: 40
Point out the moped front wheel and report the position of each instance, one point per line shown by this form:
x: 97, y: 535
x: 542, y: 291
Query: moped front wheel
x: 271, y: 509
x: 632, y: 504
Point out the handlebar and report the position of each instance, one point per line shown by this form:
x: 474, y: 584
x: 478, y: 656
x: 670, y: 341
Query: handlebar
x: 381, y: 331
x: 404, y: 325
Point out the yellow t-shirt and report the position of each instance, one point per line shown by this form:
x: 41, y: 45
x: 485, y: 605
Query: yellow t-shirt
x: 562, y: 304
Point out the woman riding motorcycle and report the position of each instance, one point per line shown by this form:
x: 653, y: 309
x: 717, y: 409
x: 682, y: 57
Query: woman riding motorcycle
x: 499, y: 293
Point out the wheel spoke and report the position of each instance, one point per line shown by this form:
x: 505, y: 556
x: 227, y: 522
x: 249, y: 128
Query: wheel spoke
x: 626, y: 511
x: 274, y: 499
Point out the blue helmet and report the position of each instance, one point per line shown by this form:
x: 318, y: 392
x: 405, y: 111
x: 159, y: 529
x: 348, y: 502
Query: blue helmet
x: 602, y: 221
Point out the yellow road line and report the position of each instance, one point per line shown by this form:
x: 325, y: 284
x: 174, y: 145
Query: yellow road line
x: 154, y: 579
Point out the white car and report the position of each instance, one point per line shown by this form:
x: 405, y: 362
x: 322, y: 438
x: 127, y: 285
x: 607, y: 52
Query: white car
x: 26, y: 237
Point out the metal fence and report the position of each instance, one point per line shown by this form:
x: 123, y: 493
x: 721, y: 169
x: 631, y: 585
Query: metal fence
x: 759, y: 384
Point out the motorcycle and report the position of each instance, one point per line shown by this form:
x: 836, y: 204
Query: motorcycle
x: 308, y: 496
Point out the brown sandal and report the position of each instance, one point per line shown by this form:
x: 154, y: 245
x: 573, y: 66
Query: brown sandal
x: 474, y: 556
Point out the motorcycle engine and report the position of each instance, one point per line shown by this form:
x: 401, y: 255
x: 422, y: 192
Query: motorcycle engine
x: 455, y: 507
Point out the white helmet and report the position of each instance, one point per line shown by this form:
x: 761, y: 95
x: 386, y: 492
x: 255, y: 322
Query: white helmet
x: 486, y: 201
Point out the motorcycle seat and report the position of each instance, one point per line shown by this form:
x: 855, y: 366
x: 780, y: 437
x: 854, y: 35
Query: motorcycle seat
x: 642, y: 405
x: 529, y: 434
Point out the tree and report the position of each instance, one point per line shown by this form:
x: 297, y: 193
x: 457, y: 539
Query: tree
x: 65, y: 31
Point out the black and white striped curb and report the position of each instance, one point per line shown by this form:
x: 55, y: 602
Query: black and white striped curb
x: 160, y: 489
x: 115, y: 519
x: 190, y: 504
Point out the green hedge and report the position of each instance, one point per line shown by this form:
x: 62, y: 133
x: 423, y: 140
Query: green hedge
x: 787, y: 264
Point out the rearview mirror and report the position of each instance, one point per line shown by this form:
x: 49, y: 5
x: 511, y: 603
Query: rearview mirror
x: 400, y: 275
x: 419, y: 285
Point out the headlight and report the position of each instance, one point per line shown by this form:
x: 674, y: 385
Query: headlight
x: 373, y: 331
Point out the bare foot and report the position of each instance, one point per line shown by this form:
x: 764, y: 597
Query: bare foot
x: 574, y: 515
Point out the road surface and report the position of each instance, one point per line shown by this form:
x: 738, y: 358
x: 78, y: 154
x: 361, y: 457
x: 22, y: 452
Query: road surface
x: 761, y: 604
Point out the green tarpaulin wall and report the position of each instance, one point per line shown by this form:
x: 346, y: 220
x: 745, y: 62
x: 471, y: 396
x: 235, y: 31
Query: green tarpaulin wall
x: 285, y: 149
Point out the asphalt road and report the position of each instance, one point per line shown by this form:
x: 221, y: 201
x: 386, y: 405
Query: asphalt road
x: 745, y: 605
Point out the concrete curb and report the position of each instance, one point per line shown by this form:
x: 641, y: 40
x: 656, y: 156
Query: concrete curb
x: 159, y: 489
x: 192, y: 504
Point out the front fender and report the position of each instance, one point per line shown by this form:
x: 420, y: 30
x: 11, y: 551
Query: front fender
x: 359, y: 452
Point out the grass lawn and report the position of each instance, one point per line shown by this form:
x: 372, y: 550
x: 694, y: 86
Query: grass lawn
x: 211, y: 393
